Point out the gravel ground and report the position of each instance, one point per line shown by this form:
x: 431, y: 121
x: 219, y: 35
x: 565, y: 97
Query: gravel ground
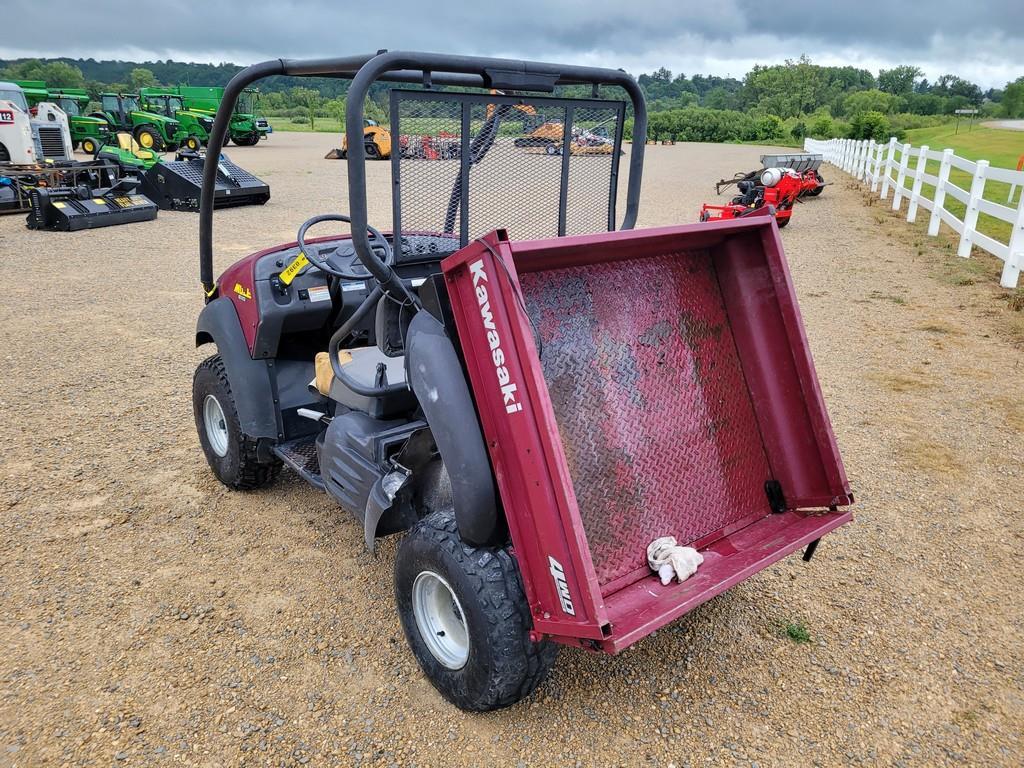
x: 1006, y: 125
x: 149, y: 616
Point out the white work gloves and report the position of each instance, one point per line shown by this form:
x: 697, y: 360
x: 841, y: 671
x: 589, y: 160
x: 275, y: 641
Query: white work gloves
x: 668, y: 559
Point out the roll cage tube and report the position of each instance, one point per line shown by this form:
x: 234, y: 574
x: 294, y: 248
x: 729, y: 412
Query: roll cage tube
x: 408, y: 67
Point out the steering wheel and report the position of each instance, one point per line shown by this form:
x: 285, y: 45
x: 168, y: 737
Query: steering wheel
x: 377, y: 240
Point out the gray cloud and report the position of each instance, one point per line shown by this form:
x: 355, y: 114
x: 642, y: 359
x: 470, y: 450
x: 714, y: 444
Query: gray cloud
x: 980, y: 40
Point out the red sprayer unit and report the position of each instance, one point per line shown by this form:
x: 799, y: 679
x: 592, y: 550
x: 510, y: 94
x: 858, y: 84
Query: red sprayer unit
x: 783, y: 180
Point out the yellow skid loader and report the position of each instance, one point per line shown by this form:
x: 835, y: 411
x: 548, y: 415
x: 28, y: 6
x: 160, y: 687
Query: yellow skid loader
x: 376, y: 141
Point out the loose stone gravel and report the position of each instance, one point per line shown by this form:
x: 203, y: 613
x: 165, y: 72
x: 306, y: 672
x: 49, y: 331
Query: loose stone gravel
x: 150, y: 616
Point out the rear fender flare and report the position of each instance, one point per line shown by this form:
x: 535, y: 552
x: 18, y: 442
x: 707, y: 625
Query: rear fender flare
x: 250, y: 379
x: 435, y: 374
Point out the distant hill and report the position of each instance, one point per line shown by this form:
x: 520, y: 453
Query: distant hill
x: 185, y: 73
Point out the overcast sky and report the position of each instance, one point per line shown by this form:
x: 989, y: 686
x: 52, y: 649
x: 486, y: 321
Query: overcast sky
x: 981, y: 40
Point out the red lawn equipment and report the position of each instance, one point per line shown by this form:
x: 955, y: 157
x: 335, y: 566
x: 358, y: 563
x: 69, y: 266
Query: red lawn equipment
x: 777, y: 185
x: 533, y: 413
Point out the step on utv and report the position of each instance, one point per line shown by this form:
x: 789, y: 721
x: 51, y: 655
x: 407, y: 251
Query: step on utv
x: 530, y: 395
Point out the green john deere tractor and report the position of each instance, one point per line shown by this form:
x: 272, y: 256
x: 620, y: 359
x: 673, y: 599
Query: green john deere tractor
x: 167, y: 102
x: 123, y: 112
x: 86, y: 132
x: 246, y: 128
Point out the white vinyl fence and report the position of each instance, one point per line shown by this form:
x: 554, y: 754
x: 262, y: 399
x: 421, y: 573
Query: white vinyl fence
x: 903, y: 168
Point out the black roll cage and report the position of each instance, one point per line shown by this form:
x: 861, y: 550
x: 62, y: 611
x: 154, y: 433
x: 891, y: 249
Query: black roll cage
x: 418, y: 68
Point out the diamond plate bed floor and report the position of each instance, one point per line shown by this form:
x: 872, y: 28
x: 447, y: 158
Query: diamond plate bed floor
x: 653, y: 412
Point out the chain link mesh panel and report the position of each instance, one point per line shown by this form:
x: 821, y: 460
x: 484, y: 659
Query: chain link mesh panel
x: 466, y: 164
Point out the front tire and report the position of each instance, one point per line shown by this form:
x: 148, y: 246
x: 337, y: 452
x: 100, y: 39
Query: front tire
x: 466, y: 618
x: 193, y: 143
x: 230, y: 453
x: 820, y: 188
x: 90, y: 146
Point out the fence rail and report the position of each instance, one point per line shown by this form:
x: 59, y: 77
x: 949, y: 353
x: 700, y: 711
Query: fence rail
x: 893, y: 166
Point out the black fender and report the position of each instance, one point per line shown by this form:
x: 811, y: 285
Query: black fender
x: 435, y: 374
x: 250, y: 379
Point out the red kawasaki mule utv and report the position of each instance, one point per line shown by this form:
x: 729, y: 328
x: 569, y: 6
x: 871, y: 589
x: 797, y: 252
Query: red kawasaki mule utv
x: 531, y: 395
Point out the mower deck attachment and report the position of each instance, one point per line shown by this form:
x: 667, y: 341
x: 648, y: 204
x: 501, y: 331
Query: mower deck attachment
x: 639, y: 384
x: 175, y: 185
x: 65, y: 209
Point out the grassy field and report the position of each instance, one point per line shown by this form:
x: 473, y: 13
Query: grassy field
x: 323, y: 125
x: 1001, y: 148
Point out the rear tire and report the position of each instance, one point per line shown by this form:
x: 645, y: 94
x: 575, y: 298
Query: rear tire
x: 781, y: 222
x: 818, y: 189
x: 230, y: 453
x: 466, y: 618
x: 90, y: 146
x: 149, y: 138
x: 248, y: 141
x: 372, y: 152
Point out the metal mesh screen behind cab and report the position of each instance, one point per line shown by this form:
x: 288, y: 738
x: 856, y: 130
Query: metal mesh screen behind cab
x: 466, y: 164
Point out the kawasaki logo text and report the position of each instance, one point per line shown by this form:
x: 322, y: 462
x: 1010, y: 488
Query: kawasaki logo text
x: 509, y: 391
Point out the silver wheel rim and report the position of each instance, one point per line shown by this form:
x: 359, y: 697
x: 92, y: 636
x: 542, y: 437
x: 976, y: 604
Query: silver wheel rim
x: 216, y: 425
x: 440, y: 620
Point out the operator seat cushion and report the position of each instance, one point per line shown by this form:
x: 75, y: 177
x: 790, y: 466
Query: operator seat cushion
x: 361, y: 364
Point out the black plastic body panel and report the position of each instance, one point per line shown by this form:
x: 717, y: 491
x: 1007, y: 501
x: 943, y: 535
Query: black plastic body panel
x: 251, y: 380
x: 435, y: 373
x: 353, y: 454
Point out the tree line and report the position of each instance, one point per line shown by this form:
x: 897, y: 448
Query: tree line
x: 794, y: 99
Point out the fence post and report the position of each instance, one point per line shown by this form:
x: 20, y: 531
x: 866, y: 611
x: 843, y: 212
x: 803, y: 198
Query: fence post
x: 897, y: 196
x: 1015, y: 258
x: 869, y: 163
x: 876, y: 162
x: 858, y: 164
x: 940, y: 192
x: 847, y: 155
x: 864, y: 158
x: 915, y: 194
x: 971, y: 216
x: 886, y: 180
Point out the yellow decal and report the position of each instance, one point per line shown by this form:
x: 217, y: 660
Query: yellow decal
x: 98, y: 200
x: 288, y: 273
x: 243, y: 292
x: 59, y: 205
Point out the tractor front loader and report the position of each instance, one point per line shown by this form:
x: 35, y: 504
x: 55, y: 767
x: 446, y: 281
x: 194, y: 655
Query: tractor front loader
x: 507, y: 373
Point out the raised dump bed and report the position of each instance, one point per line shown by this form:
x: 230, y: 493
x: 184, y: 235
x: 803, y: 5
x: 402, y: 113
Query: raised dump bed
x: 639, y: 384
